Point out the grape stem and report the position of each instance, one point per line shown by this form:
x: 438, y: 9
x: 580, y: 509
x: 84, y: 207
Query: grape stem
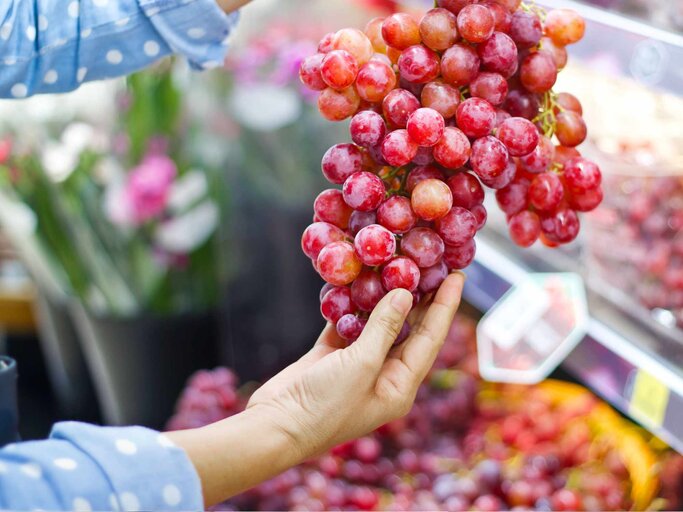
x: 532, y: 8
x: 547, y: 115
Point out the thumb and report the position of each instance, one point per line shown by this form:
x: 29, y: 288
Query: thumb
x: 383, y: 327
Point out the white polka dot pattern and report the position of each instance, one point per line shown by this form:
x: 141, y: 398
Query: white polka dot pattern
x: 172, y: 495
x: 126, y: 446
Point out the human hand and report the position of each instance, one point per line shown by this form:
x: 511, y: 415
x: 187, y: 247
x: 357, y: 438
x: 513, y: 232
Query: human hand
x: 229, y: 6
x: 337, y: 393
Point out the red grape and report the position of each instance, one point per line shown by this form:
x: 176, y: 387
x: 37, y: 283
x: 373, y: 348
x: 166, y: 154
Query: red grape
x: 566, y: 499
x: 581, y: 175
x: 525, y: 227
x: 421, y: 173
x: 375, y: 80
x: 438, y: 29
x: 502, y: 17
x: 374, y: 32
x: 425, y: 126
x: 375, y: 245
x: 401, y: 272
x: 340, y: 162
x: 558, y: 53
x: 432, y: 277
x: 336, y: 303
x: 489, y: 86
x: 418, y: 64
x: 363, y: 191
x: 398, y: 105
x: 339, y: 69
x: 359, y: 220
x: 504, y: 178
x: 475, y: 23
x: 540, y: 158
x: 318, y: 235
x: 538, y: 72
x: 560, y: 227
x: 396, y: 214
x: 522, y: 104
x: 310, y: 74
x: 564, y: 26
x: 571, y: 129
x: 459, y: 65
x: 459, y: 257
x: 338, y: 263
x: 423, y: 246
x: 526, y: 30
x: 563, y: 154
x: 398, y: 148
x: 453, y: 149
x: 400, y: 31
x: 442, y: 97
x: 498, y: 54
x: 475, y: 117
x: 454, y: 6
x: 367, y: 290
x: 367, y: 128
x: 338, y: 105
x: 512, y: 199
x: 466, y: 189
x: 457, y: 227
x: 567, y: 101
x: 355, y: 42
x: 519, y: 135
x: 424, y: 156
x: 350, y: 327
x: 586, y: 200
x: 489, y: 157
x: 546, y: 191
x: 326, y: 288
x: 480, y: 214
x: 431, y: 199
x: 330, y: 207
x: 326, y: 43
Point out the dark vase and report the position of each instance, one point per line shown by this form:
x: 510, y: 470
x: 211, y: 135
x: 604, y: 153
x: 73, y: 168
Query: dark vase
x: 9, y: 411
x: 140, y: 365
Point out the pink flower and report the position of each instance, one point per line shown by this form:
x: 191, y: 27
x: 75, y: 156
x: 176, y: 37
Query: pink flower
x: 5, y: 150
x: 148, y: 186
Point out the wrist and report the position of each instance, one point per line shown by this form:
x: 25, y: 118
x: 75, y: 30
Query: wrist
x: 229, y: 6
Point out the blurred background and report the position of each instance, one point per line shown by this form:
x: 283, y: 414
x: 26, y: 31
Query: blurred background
x: 150, y: 227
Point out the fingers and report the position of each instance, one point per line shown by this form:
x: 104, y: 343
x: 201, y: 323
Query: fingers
x: 383, y: 327
x: 428, y: 335
x: 330, y: 338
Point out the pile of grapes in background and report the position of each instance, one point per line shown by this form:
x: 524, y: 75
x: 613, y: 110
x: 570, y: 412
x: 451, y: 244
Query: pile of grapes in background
x: 439, y: 108
x: 465, y: 445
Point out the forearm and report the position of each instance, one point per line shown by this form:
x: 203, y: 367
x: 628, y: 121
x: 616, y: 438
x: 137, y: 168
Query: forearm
x: 229, y: 6
x: 235, y: 454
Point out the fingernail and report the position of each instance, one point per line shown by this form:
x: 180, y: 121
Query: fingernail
x: 464, y: 276
x: 402, y: 300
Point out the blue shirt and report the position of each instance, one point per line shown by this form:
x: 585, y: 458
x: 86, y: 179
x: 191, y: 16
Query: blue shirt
x: 83, y: 468
x: 49, y: 46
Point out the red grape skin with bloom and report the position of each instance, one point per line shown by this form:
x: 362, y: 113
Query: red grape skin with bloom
x: 491, y: 87
x: 457, y: 227
x: 431, y: 199
x: 480, y: 214
x: 401, y: 272
x: 561, y: 227
x: 359, y: 220
x: 375, y: 80
x: 423, y: 245
x: 504, y: 178
x: 519, y: 135
x: 466, y: 190
x: 424, y: 156
x: 367, y: 290
x: 318, y: 235
x: 459, y: 257
x: 540, y: 159
x: 325, y: 288
x: 498, y: 54
x: 398, y: 105
x: 310, y: 74
x: 338, y: 263
x: 326, y: 44
x: 564, y: 26
x: 520, y: 103
x: 374, y: 32
x: 502, y: 17
x: 425, y: 126
x: 442, y: 97
x: 455, y: 6
x: 419, y: 64
x: 567, y: 101
x: 475, y: 117
x: 396, y: 214
x: 339, y: 69
x: 459, y: 65
x: 581, y: 174
x: 546, y: 191
x: 336, y: 303
x: 570, y: 129
x: 338, y: 105
x: 587, y: 200
x: 453, y: 149
x: 340, y: 162
x: 367, y: 128
x: 421, y: 173
x: 432, y: 277
x: 363, y: 191
x: 398, y: 148
x: 375, y: 245
x: 330, y: 207
x: 526, y: 29
x: 438, y: 29
x: 513, y: 198
x: 475, y: 23
x: 355, y: 42
x: 538, y: 72
x: 558, y: 53
x: 489, y: 157
x: 350, y: 327
x: 525, y: 228
x: 401, y: 31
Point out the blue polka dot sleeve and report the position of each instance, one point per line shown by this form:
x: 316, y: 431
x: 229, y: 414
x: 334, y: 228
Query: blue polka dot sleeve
x: 83, y: 468
x: 49, y: 46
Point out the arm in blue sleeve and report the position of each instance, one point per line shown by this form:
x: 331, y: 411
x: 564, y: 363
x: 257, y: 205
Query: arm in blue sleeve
x: 83, y: 468
x: 49, y: 46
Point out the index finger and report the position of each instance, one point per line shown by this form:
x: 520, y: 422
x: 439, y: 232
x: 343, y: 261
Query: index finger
x: 428, y: 335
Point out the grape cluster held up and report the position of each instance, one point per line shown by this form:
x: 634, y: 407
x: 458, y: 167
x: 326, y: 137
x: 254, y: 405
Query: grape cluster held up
x: 440, y: 108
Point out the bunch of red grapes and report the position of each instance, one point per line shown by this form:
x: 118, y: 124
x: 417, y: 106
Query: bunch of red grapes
x: 441, y: 107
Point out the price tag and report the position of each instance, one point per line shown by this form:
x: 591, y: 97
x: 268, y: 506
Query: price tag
x: 649, y: 399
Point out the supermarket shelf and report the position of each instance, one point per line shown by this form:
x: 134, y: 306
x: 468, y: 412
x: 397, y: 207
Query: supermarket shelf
x: 614, y: 42
x: 619, y: 359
